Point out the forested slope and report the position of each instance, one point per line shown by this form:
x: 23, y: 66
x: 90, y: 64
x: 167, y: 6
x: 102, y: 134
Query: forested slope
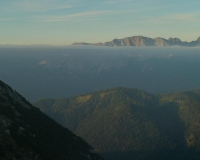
x: 129, y: 123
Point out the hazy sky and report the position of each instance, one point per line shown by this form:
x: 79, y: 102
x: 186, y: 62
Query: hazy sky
x: 62, y: 22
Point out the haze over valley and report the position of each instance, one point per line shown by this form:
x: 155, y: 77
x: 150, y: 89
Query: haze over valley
x: 51, y: 72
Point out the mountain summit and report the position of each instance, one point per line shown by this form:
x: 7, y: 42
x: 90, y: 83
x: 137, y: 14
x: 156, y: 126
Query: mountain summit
x: 144, y: 41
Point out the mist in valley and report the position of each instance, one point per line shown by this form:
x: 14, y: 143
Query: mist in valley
x: 57, y: 72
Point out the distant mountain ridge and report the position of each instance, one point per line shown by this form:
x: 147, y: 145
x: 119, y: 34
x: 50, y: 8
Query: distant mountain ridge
x: 144, y: 41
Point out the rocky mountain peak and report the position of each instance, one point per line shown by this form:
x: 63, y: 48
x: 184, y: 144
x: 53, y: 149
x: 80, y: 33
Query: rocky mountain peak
x: 143, y: 41
x: 174, y: 39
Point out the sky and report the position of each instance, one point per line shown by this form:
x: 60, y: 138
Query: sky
x: 63, y: 22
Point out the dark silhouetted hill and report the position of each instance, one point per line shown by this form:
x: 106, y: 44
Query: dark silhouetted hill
x: 28, y: 134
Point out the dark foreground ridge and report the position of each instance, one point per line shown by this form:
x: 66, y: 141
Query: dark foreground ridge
x: 27, y: 133
x: 144, y: 41
x: 126, y: 124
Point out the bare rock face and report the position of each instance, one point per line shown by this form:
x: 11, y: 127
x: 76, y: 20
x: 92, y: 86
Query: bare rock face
x: 27, y: 133
x: 161, y: 42
x: 198, y: 41
x: 144, y: 41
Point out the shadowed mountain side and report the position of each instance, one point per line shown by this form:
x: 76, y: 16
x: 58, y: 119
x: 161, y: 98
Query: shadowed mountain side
x: 122, y: 120
x: 27, y: 133
x: 189, y: 113
x: 144, y: 41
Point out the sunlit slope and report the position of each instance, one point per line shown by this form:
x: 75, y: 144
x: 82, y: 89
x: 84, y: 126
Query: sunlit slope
x: 130, y: 121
